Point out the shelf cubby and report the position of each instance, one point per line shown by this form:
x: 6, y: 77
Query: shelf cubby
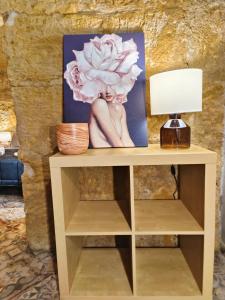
x: 100, y: 271
x: 103, y: 217
x: 171, y: 271
x: 113, y: 245
x: 181, y: 216
x: 164, y: 217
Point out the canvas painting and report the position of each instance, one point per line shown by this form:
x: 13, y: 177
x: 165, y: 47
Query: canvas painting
x: 104, y: 86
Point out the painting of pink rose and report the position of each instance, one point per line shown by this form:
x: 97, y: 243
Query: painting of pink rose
x: 104, y: 78
x: 106, y: 68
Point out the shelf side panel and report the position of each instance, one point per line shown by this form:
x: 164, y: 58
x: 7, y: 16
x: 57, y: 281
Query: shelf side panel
x: 56, y: 182
x: 71, y: 192
x: 209, y: 241
x: 192, y: 249
x: 192, y: 191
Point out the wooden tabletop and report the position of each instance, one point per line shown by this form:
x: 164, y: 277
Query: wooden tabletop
x: 152, y: 155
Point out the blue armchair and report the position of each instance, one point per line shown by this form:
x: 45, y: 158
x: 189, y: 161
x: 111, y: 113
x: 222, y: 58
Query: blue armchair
x: 11, y: 170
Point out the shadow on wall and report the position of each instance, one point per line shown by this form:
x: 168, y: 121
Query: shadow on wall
x: 47, y: 187
x: 223, y: 198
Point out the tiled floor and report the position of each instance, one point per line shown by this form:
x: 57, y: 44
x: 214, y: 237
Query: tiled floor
x: 28, y: 275
x: 219, y: 276
x: 23, y: 274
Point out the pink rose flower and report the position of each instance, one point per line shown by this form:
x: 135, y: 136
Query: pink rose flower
x: 105, y: 68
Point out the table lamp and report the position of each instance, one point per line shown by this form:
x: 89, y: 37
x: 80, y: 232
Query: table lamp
x: 173, y: 93
x: 5, y: 138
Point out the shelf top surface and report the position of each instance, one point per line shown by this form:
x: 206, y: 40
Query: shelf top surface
x: 151, y: 155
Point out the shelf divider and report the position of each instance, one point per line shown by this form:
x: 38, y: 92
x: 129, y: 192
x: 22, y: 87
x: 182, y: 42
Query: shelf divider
x: 133, y: 239
x: 134, y: 268
x: 132, y: 208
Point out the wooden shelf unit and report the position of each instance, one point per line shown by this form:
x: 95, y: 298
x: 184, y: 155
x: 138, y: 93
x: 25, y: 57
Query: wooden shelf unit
x: 127, y: 271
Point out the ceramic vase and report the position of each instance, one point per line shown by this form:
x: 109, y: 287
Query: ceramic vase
x: 72, y: 138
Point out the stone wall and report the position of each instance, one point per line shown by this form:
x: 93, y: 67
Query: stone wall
x: 7, y: 114
x: 182, y: 33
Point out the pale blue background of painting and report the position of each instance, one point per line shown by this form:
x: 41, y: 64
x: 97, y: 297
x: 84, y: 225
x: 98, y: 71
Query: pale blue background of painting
x: 75, y: 111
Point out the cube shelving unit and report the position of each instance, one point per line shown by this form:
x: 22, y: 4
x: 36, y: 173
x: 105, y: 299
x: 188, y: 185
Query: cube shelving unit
x: 127, y: 271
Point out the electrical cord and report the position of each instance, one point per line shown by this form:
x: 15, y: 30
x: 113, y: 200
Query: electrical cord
x: 173, y: 172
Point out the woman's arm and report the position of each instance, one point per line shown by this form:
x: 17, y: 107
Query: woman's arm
x: 101, y: 112
x: 127, y: 141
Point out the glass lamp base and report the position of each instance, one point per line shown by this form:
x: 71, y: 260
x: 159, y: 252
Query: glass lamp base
x: 175, y: 133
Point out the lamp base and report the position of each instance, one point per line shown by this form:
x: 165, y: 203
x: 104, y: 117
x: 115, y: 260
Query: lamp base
x: 175, y: 133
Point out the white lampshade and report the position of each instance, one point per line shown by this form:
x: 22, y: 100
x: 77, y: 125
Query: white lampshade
x: 5, y: 137
x: 176, y: 91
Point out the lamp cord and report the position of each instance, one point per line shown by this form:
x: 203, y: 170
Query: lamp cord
x: 173, y: 172
x: 177, y: 136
